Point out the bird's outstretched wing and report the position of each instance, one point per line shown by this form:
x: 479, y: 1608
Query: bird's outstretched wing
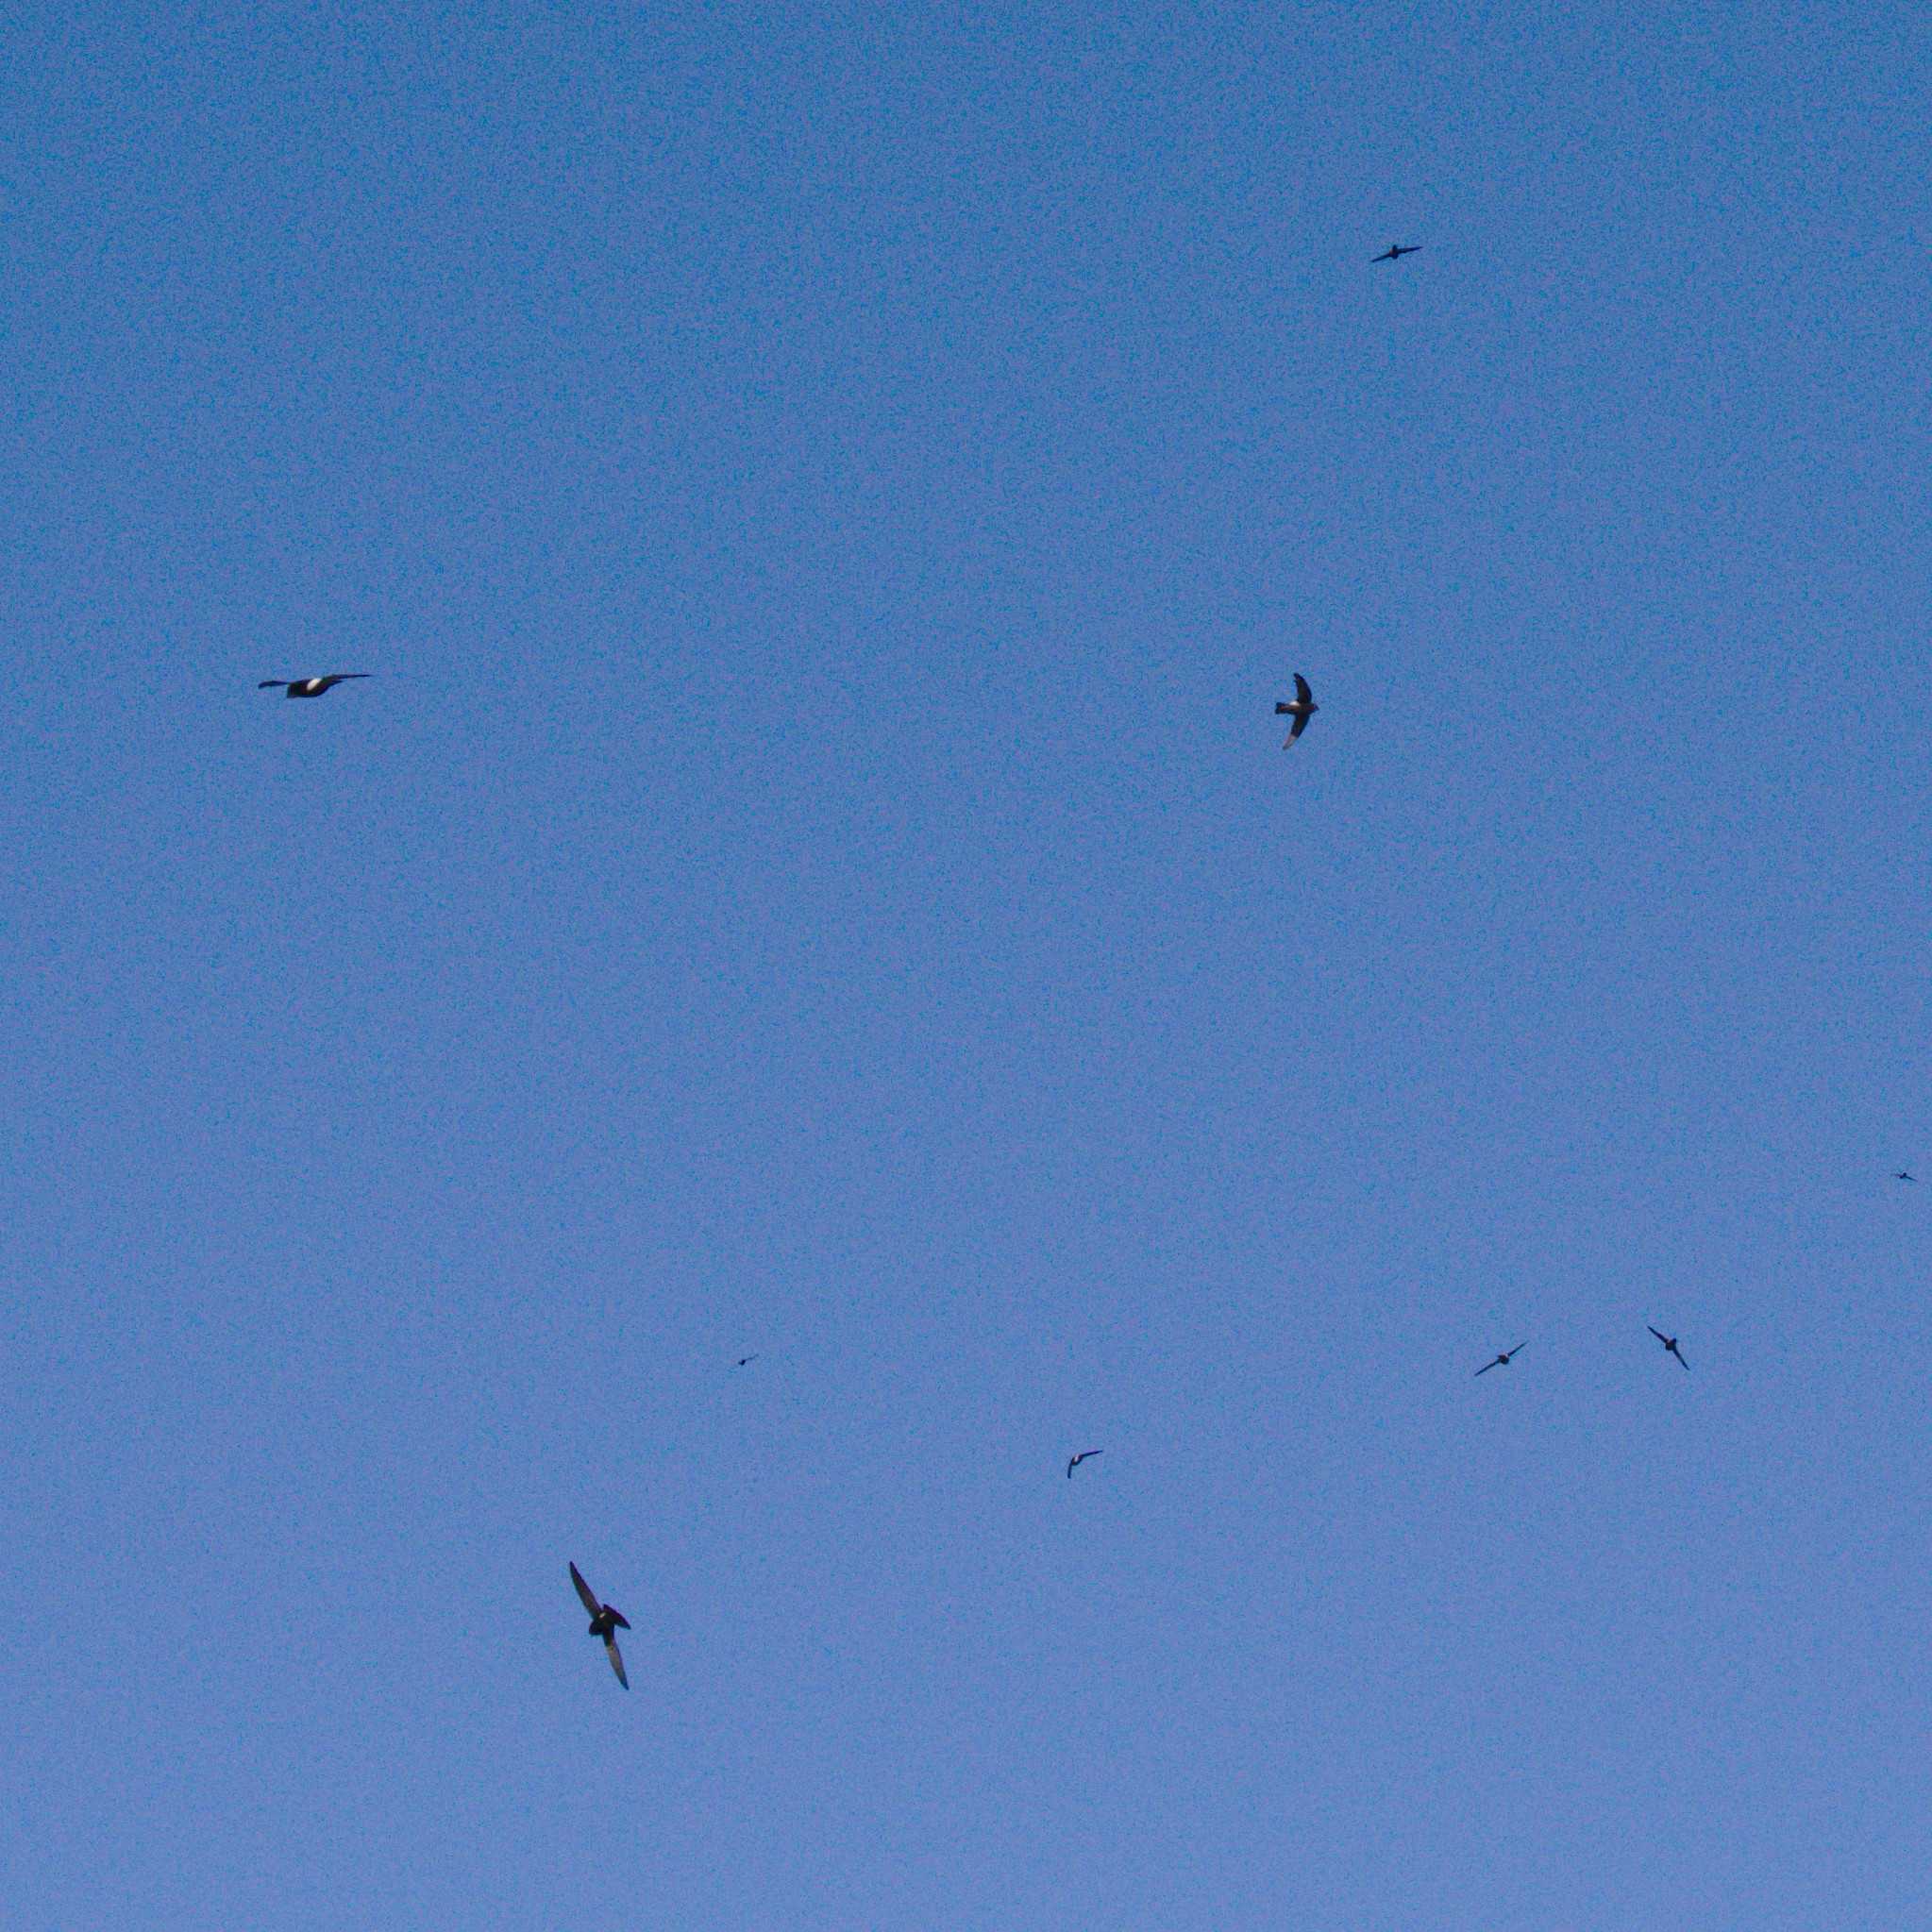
x: 589, y: 1595
x: 1681, y: 1362
x: 616, y: 1616
x: 1664, y: 1338
x: 344, y: 677
x: 1486, y: 1367
x: 272, y: 684
x: 617, y: 1657
x: 1303, y: 708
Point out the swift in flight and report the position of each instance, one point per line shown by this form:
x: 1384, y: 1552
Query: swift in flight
x: 309, y: 687
x: 1503, y: 1360
x: 1304, y: 708
x: 604, y: 1619
x: 1670, y: 1348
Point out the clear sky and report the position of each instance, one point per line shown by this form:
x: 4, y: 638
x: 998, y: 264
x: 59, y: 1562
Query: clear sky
x: 829, y: 498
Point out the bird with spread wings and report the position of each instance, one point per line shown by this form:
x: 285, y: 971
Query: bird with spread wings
x: 1504, y: 1360
x: 604, y: 1617
x: 309, y: 687
x: 1304, y: 708
x: 1670, y: 1348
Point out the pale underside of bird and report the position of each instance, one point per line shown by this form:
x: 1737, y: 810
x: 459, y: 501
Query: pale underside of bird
x: 1304, y: 708
x: 1073, y: 1462
x: 310, y: 687
x: 1504, y: 1360
x: 604, y: 1620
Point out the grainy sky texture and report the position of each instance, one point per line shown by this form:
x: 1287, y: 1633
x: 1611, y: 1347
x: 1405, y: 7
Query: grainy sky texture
x: 830, y: 498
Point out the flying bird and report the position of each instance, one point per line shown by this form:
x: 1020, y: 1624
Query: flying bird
x: 309, y: 687
x: 1901, y: 1175
x: 742, y: 1360
x: 603, y: 1617
x: 1670, y: 1348
x: 1073, y: 1462
x: 1503, y: 1360
x: 1397, y: 250
x: 1304, y: 708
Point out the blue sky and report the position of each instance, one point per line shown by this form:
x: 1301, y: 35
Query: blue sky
x: 830, y: 502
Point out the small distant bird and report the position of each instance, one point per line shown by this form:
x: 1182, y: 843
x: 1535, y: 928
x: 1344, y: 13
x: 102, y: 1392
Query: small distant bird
x: 1397, y: 250
x: 1073, y: 1462
x: 309, y: 687
x: 1503, y: 1360
x: 1670, y: 1348
x: 604, y: 1617
x: 1901, y: 1175
x: 742, y: 1360
x: 1304, y: 708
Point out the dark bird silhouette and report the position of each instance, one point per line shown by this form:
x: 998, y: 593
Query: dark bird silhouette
x: 603, y: 1620
x: 309, y: 687
x: 1503, y: 1360
x: 1073, y: 1462
x: 1670, y: 1348
x: 742, y: 1360
x: 1304, y: 708
x: 1901, y: 1175
x: 1396, y: 250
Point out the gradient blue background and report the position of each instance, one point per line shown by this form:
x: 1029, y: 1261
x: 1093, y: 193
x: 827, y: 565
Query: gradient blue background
x: 831, y: 500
